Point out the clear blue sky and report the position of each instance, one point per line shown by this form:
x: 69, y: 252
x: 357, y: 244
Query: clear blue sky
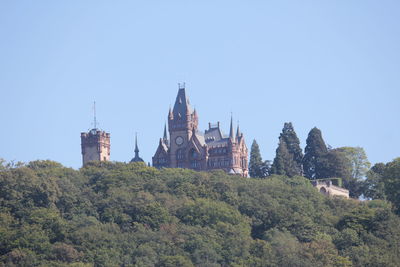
x: 330, y: 64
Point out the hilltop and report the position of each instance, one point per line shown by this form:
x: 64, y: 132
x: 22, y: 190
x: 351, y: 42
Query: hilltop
x: 117, y: 214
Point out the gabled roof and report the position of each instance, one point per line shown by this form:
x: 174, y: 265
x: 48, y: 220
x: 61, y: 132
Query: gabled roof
x: 214, y: 137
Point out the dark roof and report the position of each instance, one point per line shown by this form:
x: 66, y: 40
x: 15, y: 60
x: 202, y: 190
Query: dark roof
x: 214, y: 137
x: 181, y: 104
x: 137, y: 159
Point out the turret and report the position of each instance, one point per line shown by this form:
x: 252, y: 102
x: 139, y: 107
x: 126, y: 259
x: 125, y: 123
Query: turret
x: 165, y: 136
x: 231, y: 133
x: 136, y: 158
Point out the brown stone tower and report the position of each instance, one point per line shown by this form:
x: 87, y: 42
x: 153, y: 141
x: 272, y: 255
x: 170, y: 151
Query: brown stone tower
x: 95, y: 144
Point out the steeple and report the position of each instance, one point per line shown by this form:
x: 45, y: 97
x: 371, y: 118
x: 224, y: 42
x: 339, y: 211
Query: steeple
x: 136, y: 158
x: 238, y: 131
x: 182, y: 106
x: 231, y: 134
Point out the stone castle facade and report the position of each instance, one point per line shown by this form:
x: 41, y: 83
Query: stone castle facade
x: 95, y: 146
x: 187, y: 147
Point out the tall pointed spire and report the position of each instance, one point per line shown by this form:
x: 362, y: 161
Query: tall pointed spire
x: 136, y: 158
x: 165, y: 137
x: 136, y: 147
x: 231, y: 133
x: 238, y: 131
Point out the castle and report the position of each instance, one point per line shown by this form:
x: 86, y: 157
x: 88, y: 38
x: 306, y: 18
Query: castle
x: 187, y: 147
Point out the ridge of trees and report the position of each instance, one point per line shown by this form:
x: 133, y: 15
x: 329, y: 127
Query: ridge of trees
x: 320, y: 161
x: 118, y: 214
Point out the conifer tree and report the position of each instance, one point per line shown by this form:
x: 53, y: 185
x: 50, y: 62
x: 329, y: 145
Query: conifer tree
x: 293, y: 146
x: 284, y: 163
x: 257, y: 167
x: 315, y: 149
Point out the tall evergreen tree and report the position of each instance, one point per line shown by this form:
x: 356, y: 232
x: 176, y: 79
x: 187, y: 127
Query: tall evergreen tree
x: 293, y: 146
x: 315, y: 149
x: 284, y: 163
x: 257, y: 167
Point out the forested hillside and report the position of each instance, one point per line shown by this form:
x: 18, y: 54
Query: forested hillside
x: 117, y: 214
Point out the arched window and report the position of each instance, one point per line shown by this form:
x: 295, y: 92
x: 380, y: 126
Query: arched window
x: 194, y: 157
x: 180, y: 154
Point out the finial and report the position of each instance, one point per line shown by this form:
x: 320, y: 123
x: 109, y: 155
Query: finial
x: 181, y: 85
x: 170, y: 114
x: 136, y: 146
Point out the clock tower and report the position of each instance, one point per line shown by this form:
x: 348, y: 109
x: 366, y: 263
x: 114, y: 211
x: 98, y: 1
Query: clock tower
x: 187, y: 147
x: 182, y: 122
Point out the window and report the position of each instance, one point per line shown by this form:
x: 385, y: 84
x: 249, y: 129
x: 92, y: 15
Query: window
x: 194, y: 164
x: 180, y: 155
x: 180, y: 165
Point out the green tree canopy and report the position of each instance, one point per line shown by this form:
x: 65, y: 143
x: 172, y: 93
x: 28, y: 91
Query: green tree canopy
x: 314, y: 150
x: 118, y: 214
x: 257, y: 167
x: 293, y: 145
x: 391, y: 178
x: 358, y: 160
x: 374, y: 186
x: 284, y: 163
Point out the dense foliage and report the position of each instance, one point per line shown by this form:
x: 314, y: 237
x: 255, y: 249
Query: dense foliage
x: 117, y: 214
x: 313, y: 152
x: 257, y: 167
x: 383, y: 182
x: 289, y: 155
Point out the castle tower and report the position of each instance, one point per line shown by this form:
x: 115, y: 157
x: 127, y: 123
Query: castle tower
x: 187, y: 147
x: 95, y: 144
x: 182, y: 122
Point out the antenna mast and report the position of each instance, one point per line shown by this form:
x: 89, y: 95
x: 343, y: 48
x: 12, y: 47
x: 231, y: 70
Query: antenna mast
x: 94, y: 115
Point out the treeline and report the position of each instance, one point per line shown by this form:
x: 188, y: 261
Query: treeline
x: 321, y: 161
x: 117, y: 214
